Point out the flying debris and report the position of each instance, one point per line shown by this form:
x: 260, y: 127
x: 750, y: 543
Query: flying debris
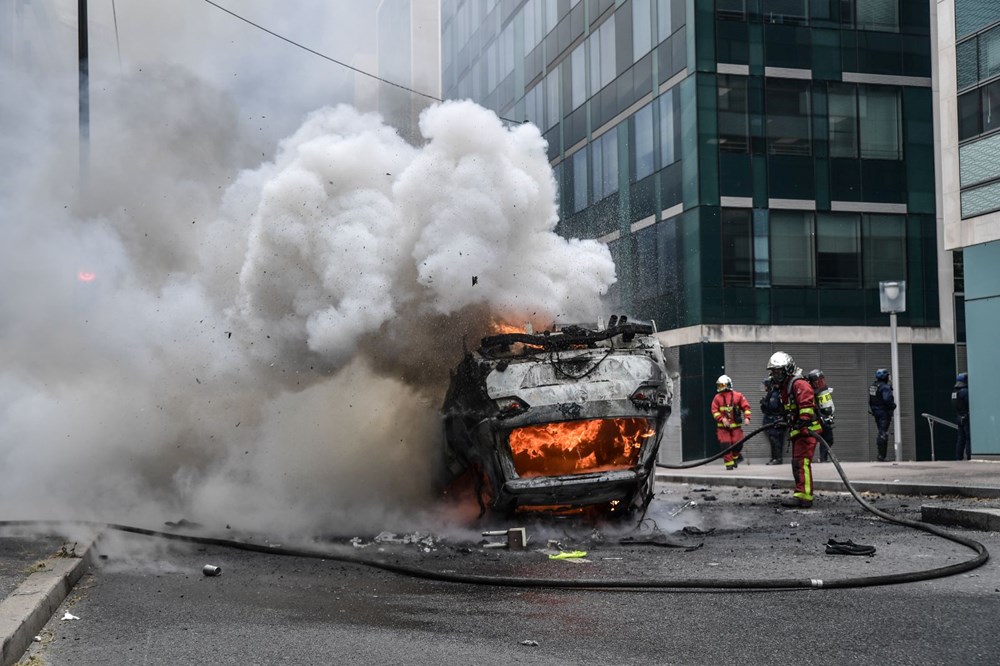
x: 562, y: 422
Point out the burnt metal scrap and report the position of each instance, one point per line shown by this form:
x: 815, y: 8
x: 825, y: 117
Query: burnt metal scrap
x: 561, y: 421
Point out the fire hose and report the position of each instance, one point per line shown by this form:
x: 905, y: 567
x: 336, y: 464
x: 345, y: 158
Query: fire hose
x: 982, y: 555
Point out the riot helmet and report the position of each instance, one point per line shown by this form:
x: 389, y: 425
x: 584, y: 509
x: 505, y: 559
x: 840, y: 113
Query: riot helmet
x: 881, y: 375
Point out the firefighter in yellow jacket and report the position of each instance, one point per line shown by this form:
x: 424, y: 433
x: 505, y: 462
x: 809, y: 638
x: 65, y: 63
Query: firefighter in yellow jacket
x: 731, y: 412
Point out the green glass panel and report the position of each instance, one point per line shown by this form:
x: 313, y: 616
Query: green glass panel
x: 791, y: 177
x: 689, y: 140
x: 704, y: 29
x: 735, y: 175
x: 711, y: 247
x: 826, y: 55
x: 708, y: 149
x: 787, y: 46
x: 791, y: 306
x: 918, y: 127
x: 733, y: 43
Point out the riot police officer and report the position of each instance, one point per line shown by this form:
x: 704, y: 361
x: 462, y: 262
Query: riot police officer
x: 960, y: 401
x: 881, y: 405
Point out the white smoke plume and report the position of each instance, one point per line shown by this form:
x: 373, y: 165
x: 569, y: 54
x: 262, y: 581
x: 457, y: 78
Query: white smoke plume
x: 198, y: 330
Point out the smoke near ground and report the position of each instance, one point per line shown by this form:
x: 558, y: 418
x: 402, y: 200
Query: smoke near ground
x: 217, y: 327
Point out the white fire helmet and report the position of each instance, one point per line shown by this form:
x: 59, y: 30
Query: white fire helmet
x: 723, y: 383
x: 780, y: 364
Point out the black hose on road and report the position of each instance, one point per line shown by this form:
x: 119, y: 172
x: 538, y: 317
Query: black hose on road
x: 982, y: 555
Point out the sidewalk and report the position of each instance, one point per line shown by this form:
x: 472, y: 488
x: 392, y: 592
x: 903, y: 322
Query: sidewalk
x: 973, y: 478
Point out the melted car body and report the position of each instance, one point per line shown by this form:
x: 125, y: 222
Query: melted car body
x: 560, y: 422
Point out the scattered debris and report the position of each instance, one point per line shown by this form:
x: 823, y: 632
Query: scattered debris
x: 516, y: 538
x: 793, y: 524
x: 530, y: 643
x: 570, y: 555
x: 211, y: 570
x: 710, y: 498
x: 697, y: 531
x: 70, y: 616
x: 37, y: 639
x: 658, y: 539
x: 683, y: 506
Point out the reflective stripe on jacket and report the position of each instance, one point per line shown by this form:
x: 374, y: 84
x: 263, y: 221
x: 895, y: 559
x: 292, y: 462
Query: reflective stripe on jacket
x: 723, y: 406
x: 800, y: 406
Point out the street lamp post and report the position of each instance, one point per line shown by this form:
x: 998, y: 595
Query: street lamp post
x: 892, y: 299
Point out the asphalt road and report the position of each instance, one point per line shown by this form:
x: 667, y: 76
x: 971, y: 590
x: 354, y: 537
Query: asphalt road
x: 147, y: 602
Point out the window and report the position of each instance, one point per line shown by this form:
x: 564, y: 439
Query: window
x: 579, y: 70
x: 642, y: 29
x: 876, y: 15
x: 602, y: 55
x: 534, y: 107
x: 792, y: 12
x: 604, y: 164
x: 669, y: 127
x: 838, y: 251
x: 737, y: 258
x: 551, y: 82
x: 643, y: 132
x: 664, y: 20
x: 734, y: 119
x: 761, y: 248
x: 788, y: 129
x: 843, y: 121
x: 579, y: 180
x: 969, y: 115
x: 884, y: 249
x: 880, y: 125
x: 793, y: 262
x: 991, y: 107
x: 731, y: 9
x: 989, y: 54
x: 967, y: 58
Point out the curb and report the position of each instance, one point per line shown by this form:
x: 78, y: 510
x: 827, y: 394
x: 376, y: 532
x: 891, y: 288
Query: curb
x: 28, y: 608
x: 884, y: 487
x: 984, y: 520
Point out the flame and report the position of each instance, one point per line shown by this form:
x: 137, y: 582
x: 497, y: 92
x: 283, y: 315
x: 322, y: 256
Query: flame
x: 501, y: 327
x: 578, y: 447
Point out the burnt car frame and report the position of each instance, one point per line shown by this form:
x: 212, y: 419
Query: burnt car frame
x: 560, y: 422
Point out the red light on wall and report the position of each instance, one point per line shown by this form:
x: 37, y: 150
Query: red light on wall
x: 86, y: 276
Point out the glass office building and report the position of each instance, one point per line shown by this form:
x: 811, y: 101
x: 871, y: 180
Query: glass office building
x: 968, y: 64
x: 756, y: 168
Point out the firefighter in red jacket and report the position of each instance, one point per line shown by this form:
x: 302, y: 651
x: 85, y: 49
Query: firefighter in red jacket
x: 800, y: 412
x: 731, y: 412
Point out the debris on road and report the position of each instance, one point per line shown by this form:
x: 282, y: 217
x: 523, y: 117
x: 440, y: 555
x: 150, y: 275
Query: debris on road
x: 211, y: 570
x: 70, y: 616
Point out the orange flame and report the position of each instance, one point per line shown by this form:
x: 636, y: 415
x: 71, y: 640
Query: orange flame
x: 502, y: 327
x: 578, y: 447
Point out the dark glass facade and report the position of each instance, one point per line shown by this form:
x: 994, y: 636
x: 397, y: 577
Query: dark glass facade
x: 749, y: 162
x: 650, y: 111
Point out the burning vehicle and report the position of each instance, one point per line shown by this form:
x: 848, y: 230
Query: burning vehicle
x: 565, y: 421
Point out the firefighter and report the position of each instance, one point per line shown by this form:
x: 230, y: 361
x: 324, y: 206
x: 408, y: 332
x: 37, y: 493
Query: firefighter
x: 960, y: 401
x: 881, y: 405
x: 800, y: 419
x: 774, y: 412
x: 825, y: 410
x: 731, y: 412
